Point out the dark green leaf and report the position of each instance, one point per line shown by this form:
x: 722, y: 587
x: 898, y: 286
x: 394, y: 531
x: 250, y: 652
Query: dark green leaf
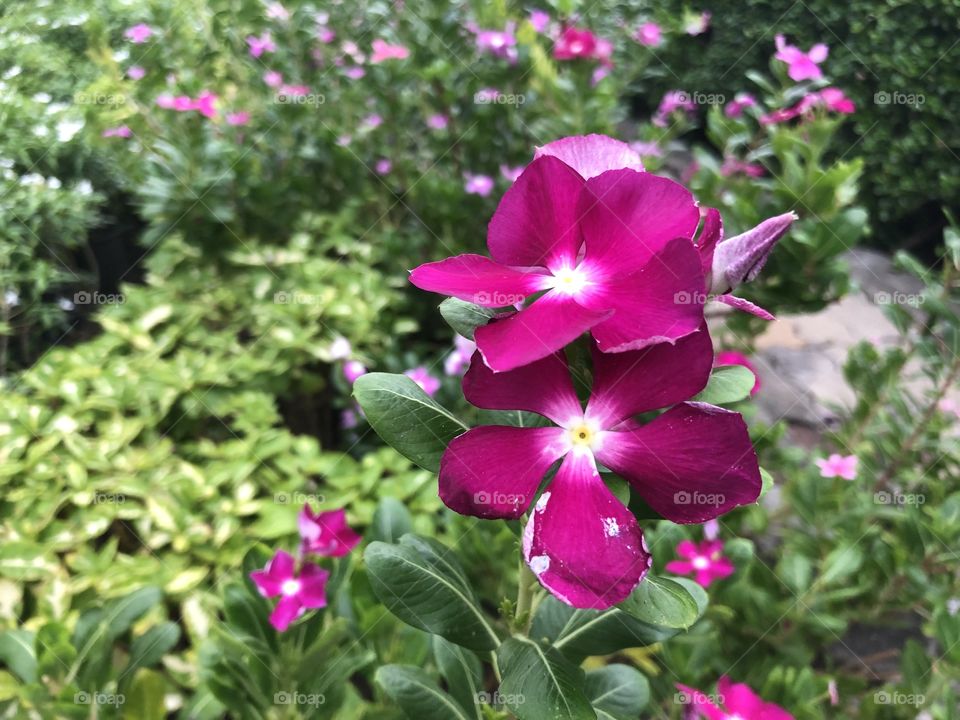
x: 391, y: 520
x: 465, y: 317
x: 539, y: 683
x: 659, y: 601
x: 728, y: 384
x: 617, y: 691
x: 462, y: 672
x: 17, y: 653
x: 417, y: 694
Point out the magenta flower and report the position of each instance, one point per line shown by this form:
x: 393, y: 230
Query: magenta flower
x: 438, y: 121
x: 704, y: 561
x: 135, y: 72
x: 273, y: 79
x: 422, y: 377
x: 204, y: 104
x: 459, y: 359
x: 122, y: 132
x: 372, y: 122
x: 383, y: 166
x: 732, y: 357
x: 801, y: 65
x: 673, y: 101
x: 383, y: 51
x: 355, y: 72
x: 649, y: 34
x: 575, y: 43
x: 540, y: 20
x: 138, y: 34
x: 733, y: 701
x: 477, y: 184
x: 690, y: 464
x: 261, y: 45
x: 326, y: 533
x: 298, y: 591
x: 740, y: 102
x: 838, y: 466
x: 831, y: 99
x: 499, y: 43
x: 352, y: 369
x: 238, y: 118
x: 611, y: 249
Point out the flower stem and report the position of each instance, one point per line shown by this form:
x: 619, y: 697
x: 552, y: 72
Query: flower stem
x: 526, y: 582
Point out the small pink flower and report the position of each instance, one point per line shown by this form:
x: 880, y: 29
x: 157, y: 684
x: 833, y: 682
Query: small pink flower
x: 575, y: 43
x: 238, y: 118
x: 732, y: 357
x: 673, y: 101
x: 422, y: 377
x: 948, y: 406
x: 298, y: 591
x: 261, y: 45
x: 165, y: 101
x: 383, y: 166
x: 511, y: 173
x: 204, y: 104
x: 352, y: 369
x: 734, y: 166
x: 711, y: 529
x: 540, y: 20
x: 478, y: 184
x: 459, y: 360
x: 135, y: 72
x: 372, y: 122
x: 293, y: 90
x: 326, y: 35
x: 122, y: 131
x: 273, y: 79
x: 832, y: 692
x: 438, y: 121
x: 382, y: 51
x: 838, y: 466
x: 183, y: 103
x: 326, y: 533
x: 276, y: 11
x: 649, y: 34
x: 732, y: 701
x: 349, y: 419
x: 340, y: 349
x: 740, y: 102
x: 704, y: 560
x: 344, y: 140
x: 499, y: 43
x: 801, y: 65
x: 354, y: 72
x: 138, y: 34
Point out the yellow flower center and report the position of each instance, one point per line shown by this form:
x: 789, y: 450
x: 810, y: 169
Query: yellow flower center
x: 582, y: 434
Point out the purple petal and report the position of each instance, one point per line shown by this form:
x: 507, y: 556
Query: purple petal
x: 313, y: 586
x: 660, y: 302
x: 286, y: 611
x: 630, y: 383
x: 549, y: 324
x: 690, y: 464
x: 628, y: 217
x: 542, y: 387
x: 710, y: 234
x: 494, y: 471
x: 536, y: 221
x: 745, y: 305
x: 591, y: 155
x: 583, y: 545
x: 740, y: 259
x: 326, y: 533
x: 477, y: 279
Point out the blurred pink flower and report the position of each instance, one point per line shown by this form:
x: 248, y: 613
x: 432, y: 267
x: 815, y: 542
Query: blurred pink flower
x: 298, y: 591
x: 135, y: 72
x: 740, y: 102
x: 732, y: 357
x: 732, y: 701
x: 238, y: 118
x: 260, y: 45
x: 704, y: 560
x: 438, y: 121
x: 499, y: 43
x: 352, y: 369
x: 948, y: 406
x: 138, y: 34
x: 645, y: 148
x: 371, y: 122
x: 326, y: 533
x: 459, y: 360
x: 382, y: 50
x: 276, y: 11
x: 511, y: 173
x: 733, y: 166
x: 672, y: 101
x: 575, y: 43
x: 831, y: 99
x: 122, y: 131
x: 422, y: 377
x: 842, y: 466
x: 649, y: 34
x: 711, y: 529
x: 204, y: 104
x: 272, y: 78
x: 540, y: 20
x: 293, y: 90
x: 326, y: 35
x: 354, y: 72
x: 383, y: 166
x: 478, y: 184
x: 801, y: 65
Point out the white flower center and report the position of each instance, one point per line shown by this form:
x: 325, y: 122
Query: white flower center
x: 569, y: 280
x: 584, y: 435
x: 290, y: 587
x: 701, y: 563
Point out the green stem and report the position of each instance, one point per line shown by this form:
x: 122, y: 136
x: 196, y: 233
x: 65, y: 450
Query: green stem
x: 526, y: 581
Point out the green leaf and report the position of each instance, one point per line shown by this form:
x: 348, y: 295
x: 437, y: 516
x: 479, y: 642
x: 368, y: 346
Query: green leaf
x: 660, y: 601
x: 425, y: 595
x: 17, y: 653
x: 391, y: 520
x: 465, y: 317
x: 840, y: 563
x: 617, y: 691
x: 462, y: 672
x: 25, y: 561
x: 406, y: 418
x: 149, y: 648
x: 539, y: 683
x: 417, y: 694
x: 145, y: 699
x: 727, y: 384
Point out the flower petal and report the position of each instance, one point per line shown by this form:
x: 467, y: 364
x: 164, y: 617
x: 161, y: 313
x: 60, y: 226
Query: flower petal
x: 536, y: 222
x: 278, y: 569
x: 690, y: 464
x: 543, y: 387
x: 710, y: 234
x: 630, y: 383
x: 286, y: 611
x: 477, y: 279
x: 541, y: 329
x: 660, y: 302
x: 591, y: 155
x: 740, y: 699
x: 745, y: 305
x: 740, y: 259
x: 581, y: 542
x: 494, y: 471
x: 313, y: 586
x: 627, y: 217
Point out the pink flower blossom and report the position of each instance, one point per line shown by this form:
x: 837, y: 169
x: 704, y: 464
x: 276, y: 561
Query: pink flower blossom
x: 732, y: 357
x: 135, y: 72
x: 383, y: 51
x: 732, y: 701
x: 477, y: 184
x: 704, y: 560
x: 696, y: 23
x: 740, y: 102
x: 354, y: 72
x: 801, y: 65
x: 298, y: 591
x: 510, y: 174
x: 293, y: 90
x: 438, y: 121
x: 326, y: 534
x: 238, y: 118
x: 372, y: 122
x: 326, y: 35
x: 122, y: 131
x: 949, y: 406
x: 383, y: 166
x: 539, y: 20
x: 352, y: 369
x: 458, y: 360
x: 138, y: 34
x: 649, y: 34
x: 422, y: 377
x: 204, y: 104
x: 349, y: 419
x: 672, y: 101
x: 692, y: 463
x: 711, y: 529
x: 261, y: 45
x: 645, y: 148
x: 575, y: 43
x: 842, y: 466
x: 499, y: 43
x: 273, y: 79
x: 276, y: 11
x: 734, y: 166
x: 831, y: 99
